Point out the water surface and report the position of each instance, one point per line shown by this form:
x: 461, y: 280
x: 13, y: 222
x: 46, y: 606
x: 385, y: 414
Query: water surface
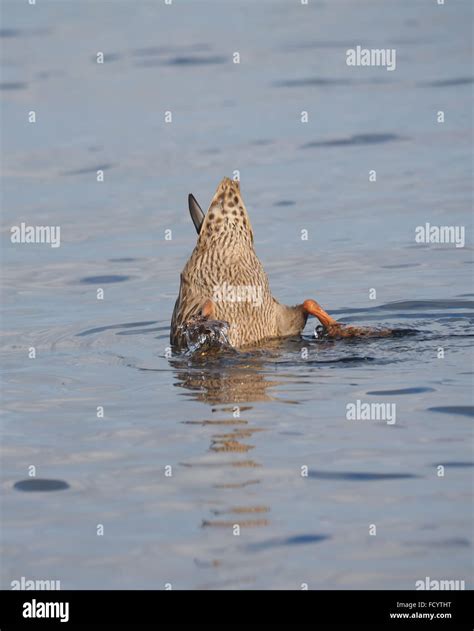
x: 256, y: 439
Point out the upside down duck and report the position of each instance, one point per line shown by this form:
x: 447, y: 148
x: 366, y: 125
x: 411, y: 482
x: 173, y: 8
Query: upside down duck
x: 224, y: 257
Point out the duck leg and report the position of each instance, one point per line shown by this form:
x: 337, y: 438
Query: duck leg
x: 335, y: 329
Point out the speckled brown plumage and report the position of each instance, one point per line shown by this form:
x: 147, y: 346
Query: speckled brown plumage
x: 224, y: 256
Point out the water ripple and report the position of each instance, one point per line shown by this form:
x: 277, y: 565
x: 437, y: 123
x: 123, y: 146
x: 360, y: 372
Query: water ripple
x: 38, y: 484
x: 357, y: 139
x: 359, y: 476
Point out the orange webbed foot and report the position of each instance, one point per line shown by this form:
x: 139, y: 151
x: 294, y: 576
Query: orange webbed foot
x: 335, y: 329
x: 311, y: 307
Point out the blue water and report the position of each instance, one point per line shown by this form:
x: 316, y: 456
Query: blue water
x: 237, y: 430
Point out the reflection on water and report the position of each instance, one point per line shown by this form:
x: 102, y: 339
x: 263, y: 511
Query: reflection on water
x: 225, y: 383
x: 227, y: 380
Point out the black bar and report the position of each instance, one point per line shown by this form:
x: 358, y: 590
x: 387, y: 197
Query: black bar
x: 210, y: 609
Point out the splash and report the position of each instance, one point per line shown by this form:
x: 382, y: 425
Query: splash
x: 204, y: 336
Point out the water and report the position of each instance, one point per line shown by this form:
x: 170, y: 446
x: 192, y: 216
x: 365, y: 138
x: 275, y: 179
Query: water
x: 237, y: 430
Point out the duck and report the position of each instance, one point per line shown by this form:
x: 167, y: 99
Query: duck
x: 223, y: 286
